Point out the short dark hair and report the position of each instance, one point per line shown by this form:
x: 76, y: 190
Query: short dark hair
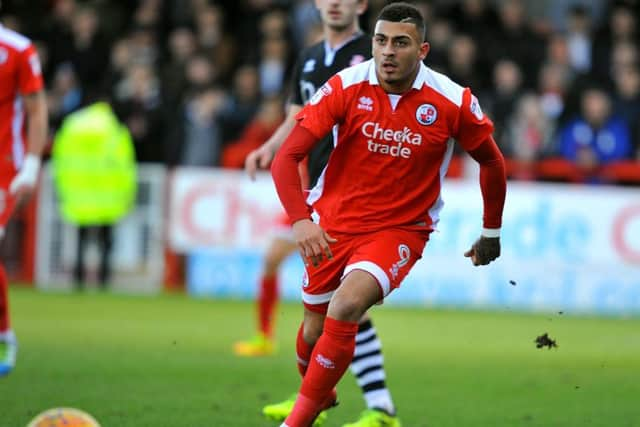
x: 403, y: 12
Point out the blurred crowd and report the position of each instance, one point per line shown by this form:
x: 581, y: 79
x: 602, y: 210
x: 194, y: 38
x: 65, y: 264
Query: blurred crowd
x: 202, y: 82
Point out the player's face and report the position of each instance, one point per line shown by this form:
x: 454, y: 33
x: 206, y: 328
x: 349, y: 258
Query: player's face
x: 339, y: 15
x: 398, y: 50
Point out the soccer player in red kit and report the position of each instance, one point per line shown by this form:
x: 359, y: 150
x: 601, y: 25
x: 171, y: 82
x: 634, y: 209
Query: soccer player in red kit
x: 23, y: 117
x: 344, y: 44
x: 379, y: 197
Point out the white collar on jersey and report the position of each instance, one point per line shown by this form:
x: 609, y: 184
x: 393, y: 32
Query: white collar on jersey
x: 330, y: 52
x: 421, y: 77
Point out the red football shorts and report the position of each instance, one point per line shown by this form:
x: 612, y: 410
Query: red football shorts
x: 388, y: 255
x: 7, y: 202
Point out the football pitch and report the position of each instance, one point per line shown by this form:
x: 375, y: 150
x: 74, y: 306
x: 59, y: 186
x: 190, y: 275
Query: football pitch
x: 166, y: 362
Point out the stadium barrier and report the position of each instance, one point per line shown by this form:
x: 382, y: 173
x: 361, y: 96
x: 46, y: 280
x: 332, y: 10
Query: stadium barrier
x: 565, y: 247
x: 138, y: 251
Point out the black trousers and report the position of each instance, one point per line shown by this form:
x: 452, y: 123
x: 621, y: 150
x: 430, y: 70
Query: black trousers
x: 104, y: 236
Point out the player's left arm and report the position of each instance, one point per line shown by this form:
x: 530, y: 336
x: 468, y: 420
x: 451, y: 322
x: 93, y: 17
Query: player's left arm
x: 493, y: 184
x: 474, y: 132
x: 37, y: 122
x: 25, y: 181
x: 31, y: 87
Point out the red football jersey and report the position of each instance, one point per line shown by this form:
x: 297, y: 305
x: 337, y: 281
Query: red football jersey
x: 391, y: 152
x: 20, y: 74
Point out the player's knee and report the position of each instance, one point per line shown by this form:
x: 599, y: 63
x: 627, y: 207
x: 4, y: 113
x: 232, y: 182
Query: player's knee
x: 276, y: 254
x: 311, y: 332
x: 348, y: 309
x: 271, y: 264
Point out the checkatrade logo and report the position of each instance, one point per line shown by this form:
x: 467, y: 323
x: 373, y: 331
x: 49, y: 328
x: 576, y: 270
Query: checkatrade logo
x: 392, y: 142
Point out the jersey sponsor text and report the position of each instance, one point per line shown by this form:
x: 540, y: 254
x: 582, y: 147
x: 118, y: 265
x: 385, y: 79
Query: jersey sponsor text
x: 390, y: 141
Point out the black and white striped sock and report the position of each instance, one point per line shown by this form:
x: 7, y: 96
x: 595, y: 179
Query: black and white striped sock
x: 368, y: 368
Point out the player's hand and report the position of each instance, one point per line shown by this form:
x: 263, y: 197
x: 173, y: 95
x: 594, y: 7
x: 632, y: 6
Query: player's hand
x: 313, y: 241
x: 260, y: 158
x: 24, y: 183
x: 484, y: 250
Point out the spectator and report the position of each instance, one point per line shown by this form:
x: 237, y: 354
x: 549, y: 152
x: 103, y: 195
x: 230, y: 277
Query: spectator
x: 257, y: 132
x: 528, y: 136
x: 199, y: 72
x: 627, y: 101
x: 597, y: 136
x: 439, y: 34
x: 65, y: 95
x: 143, y: 42
x: 89, y: 50
x: 138, y: 102
x: 182, y: 46
x: 195, y: 136
x: 462, y: 62
x: 58, y: 31
x: 621, y: 26
x: 304, y: 15
x: 243, y: 103
x: 147, y: 14
x: 518, y: 41
x: 624, y: 54
x: 553, y: 86
x: 579, y: 38
x: 120, y: 59
x: 557, y: 52
x: 560, y: 12
x: 95, y: 175
x: 273, y: 66
x: 507, y: 86
x: 172, y: 48
x: 477, y: 18
x: 219, y: 46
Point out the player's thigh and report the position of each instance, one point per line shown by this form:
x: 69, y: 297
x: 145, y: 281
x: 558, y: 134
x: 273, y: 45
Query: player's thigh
x: 388, y: 255
x: 279, y: 248
x: 358, y: 291
x: 320, y: 282
x: 281, y: 228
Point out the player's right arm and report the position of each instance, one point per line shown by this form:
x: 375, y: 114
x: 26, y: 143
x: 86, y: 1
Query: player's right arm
x: 312, y: 240
x: 325, y: 109
x: 261, y: 157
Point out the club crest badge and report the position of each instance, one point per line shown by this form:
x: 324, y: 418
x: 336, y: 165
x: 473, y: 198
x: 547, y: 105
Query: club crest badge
x: 426, y: 114
x: 356, y: 59
x: 325, y: 90
x: 475, y: 108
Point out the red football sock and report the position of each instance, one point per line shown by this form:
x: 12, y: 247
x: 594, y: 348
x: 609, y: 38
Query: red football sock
x: 330, y: 358
x: 4, y: 301
x: 267, y: 300
x: 303, y: 351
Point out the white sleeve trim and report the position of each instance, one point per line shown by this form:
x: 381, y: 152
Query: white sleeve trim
x: 490, y: 232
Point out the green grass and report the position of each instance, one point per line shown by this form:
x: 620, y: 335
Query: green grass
x: 166, y: 362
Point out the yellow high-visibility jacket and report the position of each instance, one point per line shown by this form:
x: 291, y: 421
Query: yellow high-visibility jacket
x: 94, y: 167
